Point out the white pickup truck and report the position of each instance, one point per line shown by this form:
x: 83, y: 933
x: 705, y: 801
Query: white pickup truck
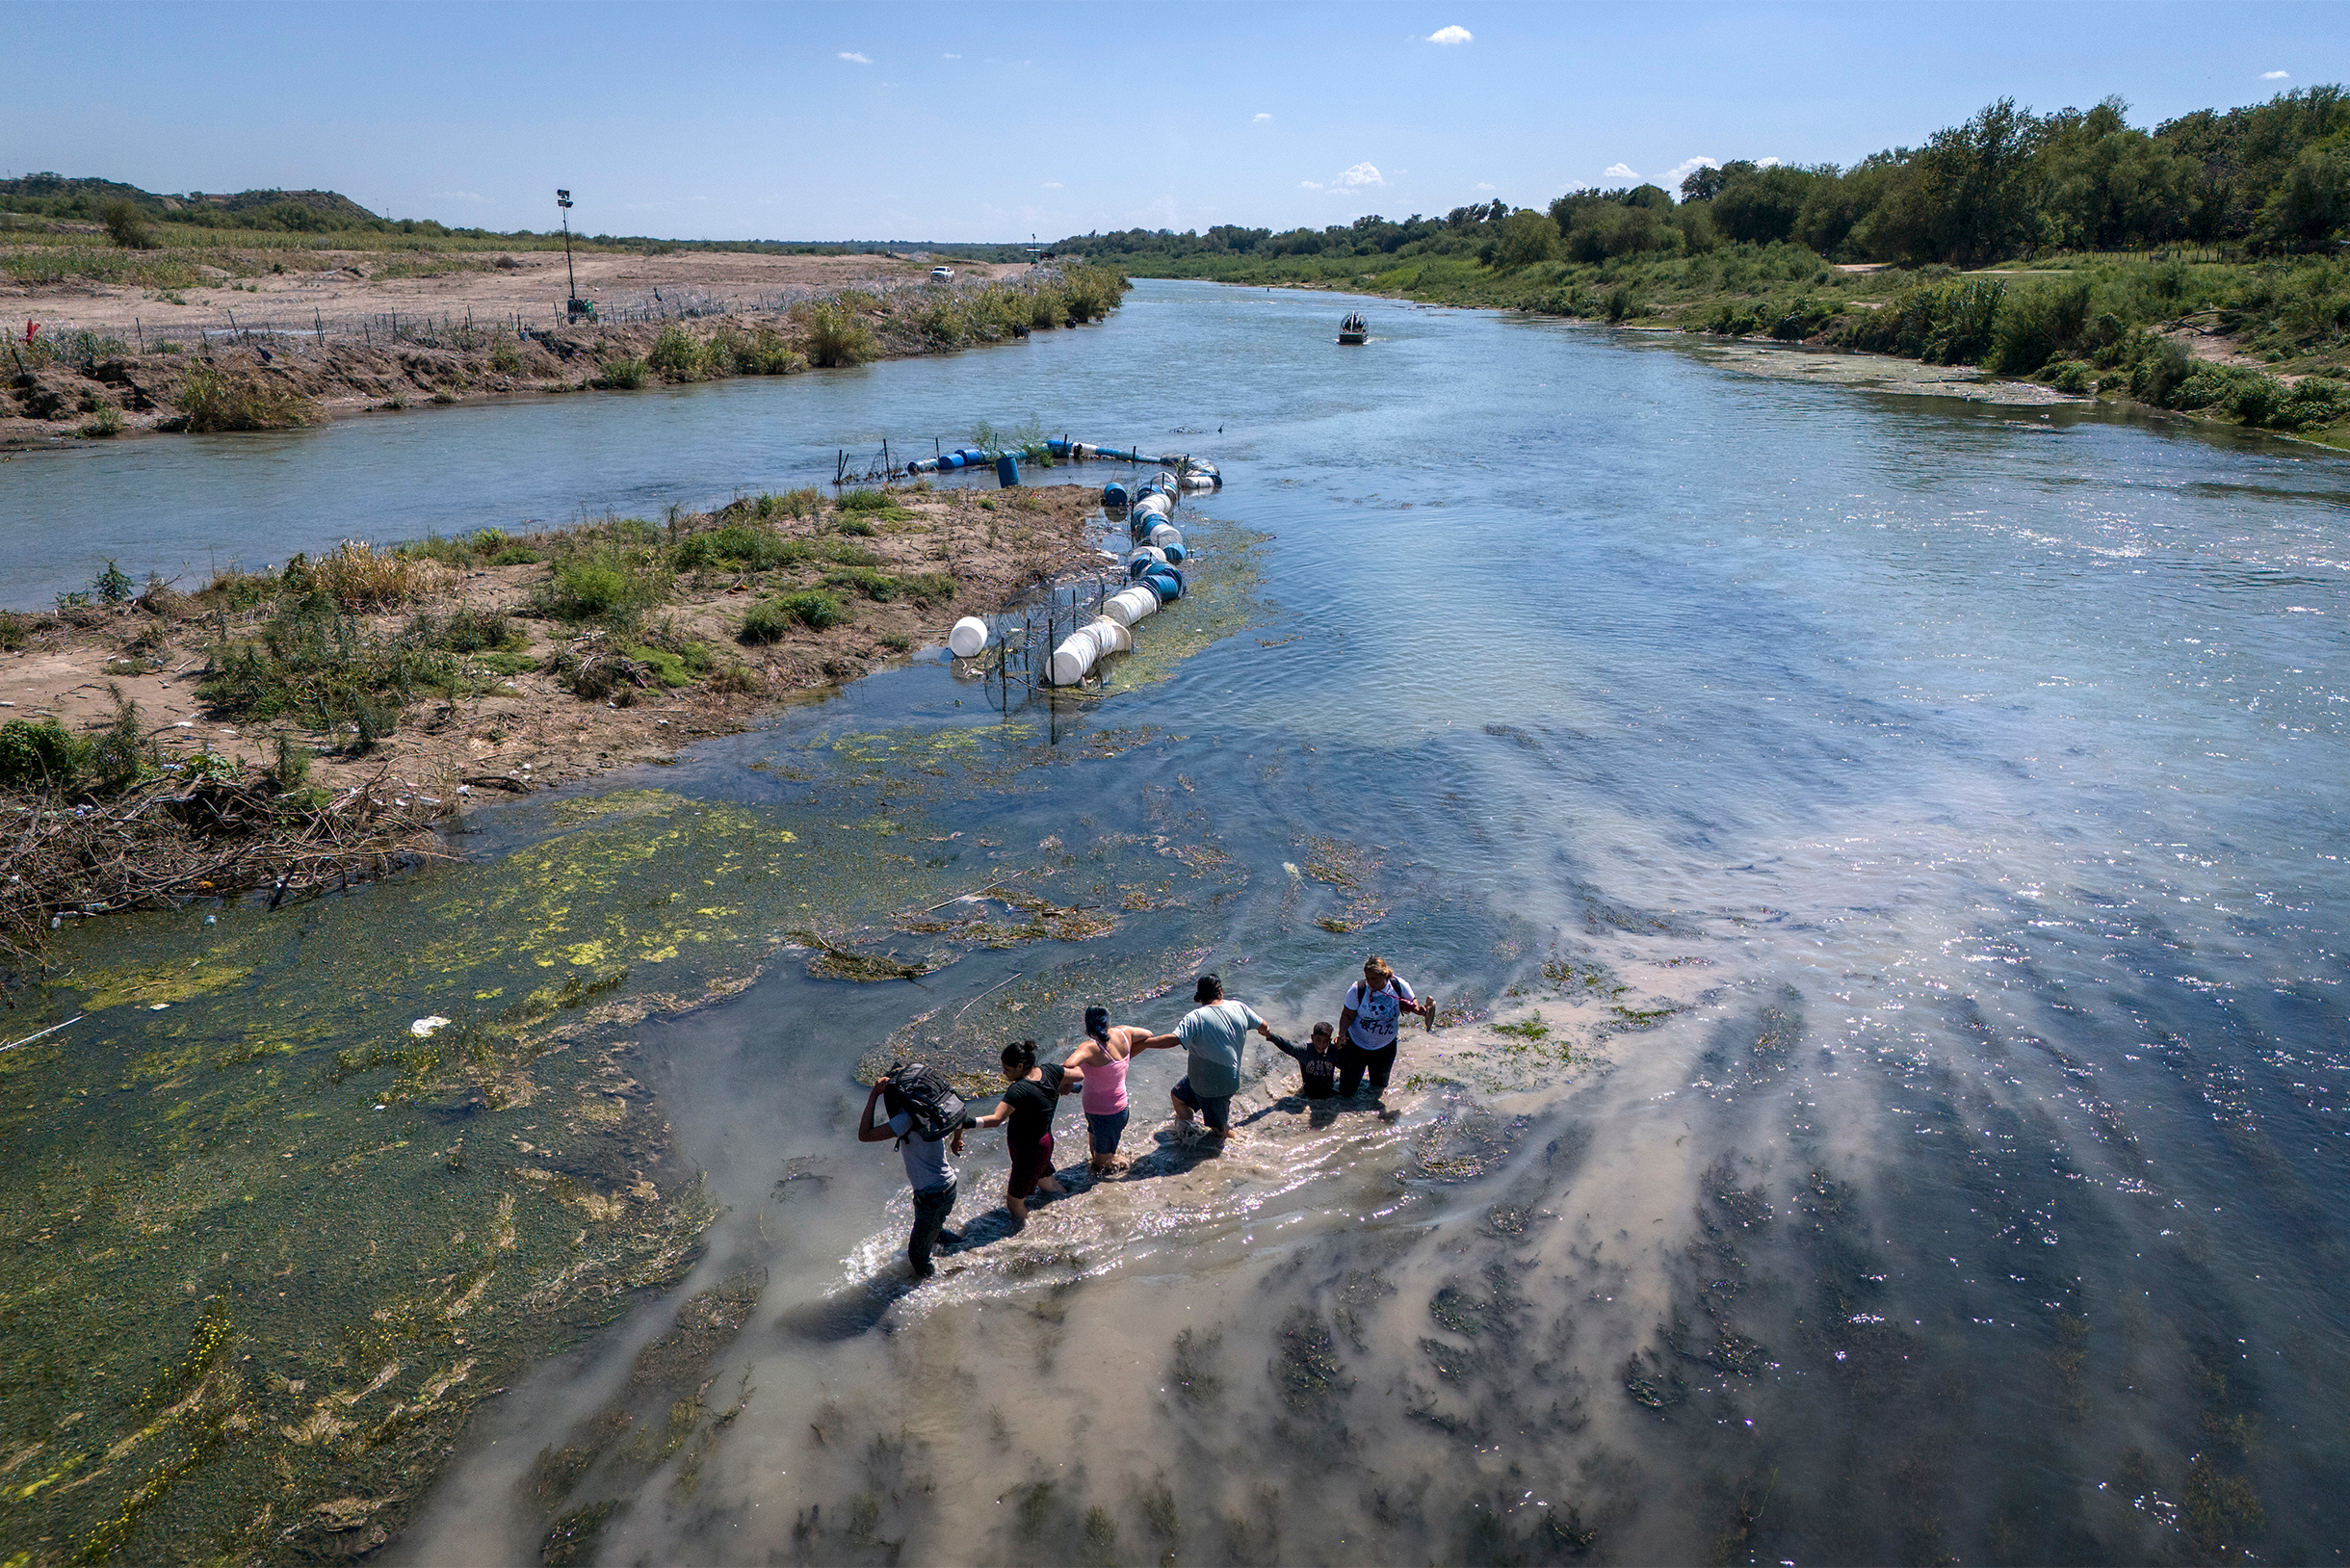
x: 945, y: 274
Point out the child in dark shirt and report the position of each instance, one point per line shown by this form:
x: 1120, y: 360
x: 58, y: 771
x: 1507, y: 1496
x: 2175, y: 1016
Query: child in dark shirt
x: 1316, y: 1062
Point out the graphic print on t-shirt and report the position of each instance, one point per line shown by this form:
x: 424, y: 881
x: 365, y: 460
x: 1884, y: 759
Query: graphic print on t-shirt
x: 1376, y: 1015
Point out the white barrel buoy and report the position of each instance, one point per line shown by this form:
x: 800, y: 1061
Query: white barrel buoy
x: 1152, y: 504
x: 1111, y: 636
x: 1149, y: 552
x: 1073, y: 658
x: 1128, y: 606
x: 968, y: 638
x: 1164, y: 535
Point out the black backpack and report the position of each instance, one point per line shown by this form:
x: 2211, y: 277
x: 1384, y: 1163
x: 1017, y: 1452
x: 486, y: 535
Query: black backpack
x: 923, y: 1095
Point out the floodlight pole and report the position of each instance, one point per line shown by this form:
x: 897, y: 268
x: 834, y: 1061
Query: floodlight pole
x: 562, y: 199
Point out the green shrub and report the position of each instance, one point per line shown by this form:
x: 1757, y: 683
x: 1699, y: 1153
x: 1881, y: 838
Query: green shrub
x: 837, y: 336
x: 314, y: 662
x: 859, y: 527
x: 620, y: 375
x: 864, y: 500
x: 128, y: 227
x: 106, y: 422
x: 35, y: 753
x: 2075, y: 378
x: 12, y: 632
x: 760, y: 353
x: 2036, y: 325
x: 216, y: 399
x: 771, y: 620
x: 114, y: 585
x: 678, y: 355
x: 742, y: 548
x: 518, y: 554
x: 601, y: 584
x: 1943, y: 324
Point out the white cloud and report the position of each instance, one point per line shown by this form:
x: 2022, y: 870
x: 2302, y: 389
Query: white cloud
x: 1619, y: 172
x: 2275, y: 75
x: 1682, y: 169
x: 953, y: 57
x: 853, y: 58
x: 1260, y: 119
x: 1767, y: 163
x: 1360, y: 174
x: 1452, y: 35
x: 1051, y: 185
x: 1484, y: 185
x: 1309, y: 185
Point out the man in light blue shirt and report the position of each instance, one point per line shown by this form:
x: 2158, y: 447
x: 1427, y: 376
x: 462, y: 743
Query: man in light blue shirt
x: 1214, y: 1032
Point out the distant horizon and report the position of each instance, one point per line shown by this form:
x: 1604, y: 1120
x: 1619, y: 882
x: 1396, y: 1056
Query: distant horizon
x: 705, y: 124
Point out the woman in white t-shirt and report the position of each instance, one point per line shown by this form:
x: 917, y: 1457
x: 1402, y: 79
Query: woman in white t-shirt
x: 1366, y: 1026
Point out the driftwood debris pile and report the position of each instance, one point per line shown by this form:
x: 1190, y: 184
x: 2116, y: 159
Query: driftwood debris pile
x: 173, y: 839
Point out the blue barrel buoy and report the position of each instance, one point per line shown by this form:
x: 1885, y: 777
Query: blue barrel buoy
x: 1175, y: 553
x: 1007, y: 472
x: 1165, y: 582
x: 1113, y: 494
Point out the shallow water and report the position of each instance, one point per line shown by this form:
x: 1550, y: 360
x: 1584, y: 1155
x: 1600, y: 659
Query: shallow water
x: 1903, y: 833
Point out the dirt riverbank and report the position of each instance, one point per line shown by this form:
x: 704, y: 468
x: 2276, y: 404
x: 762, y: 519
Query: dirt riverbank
x: 487, y: 665
x: 341, y: 345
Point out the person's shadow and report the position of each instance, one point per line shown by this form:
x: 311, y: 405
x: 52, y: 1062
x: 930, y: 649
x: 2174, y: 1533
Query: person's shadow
x: 1318, y: 1114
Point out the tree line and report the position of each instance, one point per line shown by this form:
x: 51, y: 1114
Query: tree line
x: 2266, y: 178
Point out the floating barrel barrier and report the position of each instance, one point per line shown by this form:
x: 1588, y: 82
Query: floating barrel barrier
x: 1165, y: 582
x: 1165, y: 535
x: 1071, y: 661
x: 1142, y: 560
x: 1007, y: 472
x: 1113, y: 494
x: 1129, y: 605
x: 968, y: 638
x: 1111, y: 635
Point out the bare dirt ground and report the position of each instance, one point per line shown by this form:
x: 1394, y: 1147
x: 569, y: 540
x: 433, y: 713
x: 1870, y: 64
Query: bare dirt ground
x: 335, y: 343
x: 339, y: 286
x: 530, y: 731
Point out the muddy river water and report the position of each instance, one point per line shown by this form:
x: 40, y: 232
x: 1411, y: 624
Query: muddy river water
x: 1879, y: 858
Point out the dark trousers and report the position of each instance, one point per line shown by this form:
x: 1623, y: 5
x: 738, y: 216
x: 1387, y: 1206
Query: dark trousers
x: 930, y: 1211
x: 1353, y: 1061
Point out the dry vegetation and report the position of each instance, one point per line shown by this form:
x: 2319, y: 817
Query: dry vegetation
x: 278, y: 728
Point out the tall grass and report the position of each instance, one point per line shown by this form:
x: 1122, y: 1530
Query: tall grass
x: 359, y: 577
x: 220, y: 400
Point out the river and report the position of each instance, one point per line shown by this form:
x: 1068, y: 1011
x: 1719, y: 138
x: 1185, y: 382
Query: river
x: 1901, y: 836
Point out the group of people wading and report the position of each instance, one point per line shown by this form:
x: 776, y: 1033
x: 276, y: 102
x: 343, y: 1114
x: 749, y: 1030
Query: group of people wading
x: 1332, y: 1064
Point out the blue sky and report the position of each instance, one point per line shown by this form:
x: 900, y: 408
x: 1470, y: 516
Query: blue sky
x: 989, y: 122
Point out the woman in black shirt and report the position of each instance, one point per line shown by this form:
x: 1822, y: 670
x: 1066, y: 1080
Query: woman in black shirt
x: 1028, y: 1104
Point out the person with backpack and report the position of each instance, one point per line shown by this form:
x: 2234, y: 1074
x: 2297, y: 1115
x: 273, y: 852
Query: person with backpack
x: 1367, y: 1027
x: 1214, y: 1033
x: 925, y: 1116
x: 1034, y: 1093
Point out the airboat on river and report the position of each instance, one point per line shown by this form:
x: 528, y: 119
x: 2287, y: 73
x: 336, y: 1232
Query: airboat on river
x: 1354, y: 329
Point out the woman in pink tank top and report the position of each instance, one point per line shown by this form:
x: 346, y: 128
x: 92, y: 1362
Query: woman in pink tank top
x: 1108, y: 1052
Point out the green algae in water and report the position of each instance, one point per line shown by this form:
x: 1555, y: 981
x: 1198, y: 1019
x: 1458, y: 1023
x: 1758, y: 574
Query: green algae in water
x: 366, y: 1229
x: 378, y: 1226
